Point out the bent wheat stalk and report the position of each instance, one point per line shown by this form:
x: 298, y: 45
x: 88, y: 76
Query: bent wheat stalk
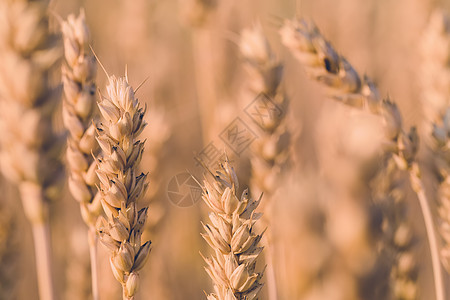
x: 78, y: 112
x: 120, y: 188
x: 325, y: 65
x: 29, y: 146
x: 231, y: 235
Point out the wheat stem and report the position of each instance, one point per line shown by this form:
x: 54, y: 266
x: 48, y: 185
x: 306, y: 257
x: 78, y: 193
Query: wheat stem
x: 41, y: 235
x: 417, y: 186
x: 272, y: 289
x: 197, y: 13
x: 92, y: 238
x: 124, y: 293
x: 205, y: 82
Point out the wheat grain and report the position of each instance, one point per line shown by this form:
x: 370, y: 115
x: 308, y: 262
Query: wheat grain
x: 30, y: 148
x: 120, y: 188
x: 231, y: 235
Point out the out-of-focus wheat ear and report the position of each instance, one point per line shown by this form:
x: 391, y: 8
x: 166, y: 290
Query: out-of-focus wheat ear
x: 396, y: 245
x: 121, y: 187
x: 231, y: 235
x: 440, y: 134
x: 323, y: 64
x: 434, y: 72
x: 30, y: 147
x: 197, y: 12
x: 78, y: 76
x: 271, y: 151
x: 435, y: 78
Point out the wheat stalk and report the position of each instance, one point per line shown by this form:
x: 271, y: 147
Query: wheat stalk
x: 77, y: 268
x: 197, y: 12
x: 325, y: 65
x: 30, y: 148
x: 198, y: 15
x: 78, y: 75
x: 120, y: 188
x: 8, y: 254
x: 231, y: 235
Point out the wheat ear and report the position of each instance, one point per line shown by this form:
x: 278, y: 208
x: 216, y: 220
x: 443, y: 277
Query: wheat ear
x: 30, y: 148
x: 271, y: 150
x: 435, y: 72
x: 325, y: 65
x: 231, y: 235
x: 436, y: 88
x: 441, y: 149
x: 78, y: 76
x: 120, y: 188
x: 396, y: 243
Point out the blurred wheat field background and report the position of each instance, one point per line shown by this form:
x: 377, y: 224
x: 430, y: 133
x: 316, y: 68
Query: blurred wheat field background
x: 315, y: 119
